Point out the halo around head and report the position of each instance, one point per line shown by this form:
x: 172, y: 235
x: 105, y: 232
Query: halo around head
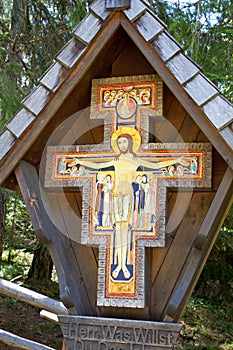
x: 126, y: 130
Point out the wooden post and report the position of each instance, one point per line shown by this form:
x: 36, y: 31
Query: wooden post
x: 21, y: 343
x: 31, y: 297
x: 28, y: 180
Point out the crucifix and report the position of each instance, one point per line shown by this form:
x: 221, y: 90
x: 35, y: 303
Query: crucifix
x: 124, y: 184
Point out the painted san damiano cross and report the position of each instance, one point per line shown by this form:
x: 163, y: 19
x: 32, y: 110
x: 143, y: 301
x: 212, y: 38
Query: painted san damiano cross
x: 124, y: 183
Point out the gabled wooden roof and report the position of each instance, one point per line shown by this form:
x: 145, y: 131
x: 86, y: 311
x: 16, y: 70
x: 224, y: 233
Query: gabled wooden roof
x: 199, y: 96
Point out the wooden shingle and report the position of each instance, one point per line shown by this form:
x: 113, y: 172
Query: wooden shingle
x: 219, y: 111
x: 136, y: 10
x: 71, y: 53
x: 165, y: 46
x: 182, y: 68
x: 98, y: 7
x: 7, y: 140
x: 200, y: 89
x: 19, y: 123
x: 148, y: 26
x: 88, y: 28
x: 37, y: 100
x: 227, y: 134
x: 54, y: 77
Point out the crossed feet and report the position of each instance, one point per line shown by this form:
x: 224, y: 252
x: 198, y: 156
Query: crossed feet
x: 125, y: 271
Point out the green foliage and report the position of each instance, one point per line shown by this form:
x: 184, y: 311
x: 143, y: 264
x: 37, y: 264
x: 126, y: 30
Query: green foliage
x: 31, y: 34
x: 18, y: 221
x: 207, y: 326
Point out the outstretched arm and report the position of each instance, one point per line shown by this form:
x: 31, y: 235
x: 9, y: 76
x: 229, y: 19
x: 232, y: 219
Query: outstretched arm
x: 159, y: 165
x: 96, y: 165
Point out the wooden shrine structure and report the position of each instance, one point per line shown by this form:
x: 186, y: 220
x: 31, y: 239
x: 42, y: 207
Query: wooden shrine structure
x: 123, y: 74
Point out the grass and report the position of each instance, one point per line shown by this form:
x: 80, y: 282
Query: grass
x: 207, y: 326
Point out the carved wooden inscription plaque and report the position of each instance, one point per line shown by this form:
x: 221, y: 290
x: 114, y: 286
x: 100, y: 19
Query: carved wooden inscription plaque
x: 91, y: 333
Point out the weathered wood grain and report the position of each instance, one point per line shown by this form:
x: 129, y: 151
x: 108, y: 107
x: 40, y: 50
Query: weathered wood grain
x: 82, y: 260
x: 98, y: 7
x: 148, y: 26
x: 71, y: 53
x: 202, y: 246
x: 21, y: 343
x: 200, y: 89
x: 182, y: 68
x: 72, y: 292
x: 88, y: 28
x: 7, y: 140
x: 117, y: 4
x: 177, y: 253
x: 136, y: 10
x: 54, y: 77
x: 19, y: 123
x: 227, y: 134
x: 219, y: 111
x: 165, y: 46
x: 217, y: 210
x: 37, y: 100
x: 30, y: 297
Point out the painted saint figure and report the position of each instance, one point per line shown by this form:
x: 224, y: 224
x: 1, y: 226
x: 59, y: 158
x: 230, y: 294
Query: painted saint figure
x: 107, y: 200
x: 125, y: 142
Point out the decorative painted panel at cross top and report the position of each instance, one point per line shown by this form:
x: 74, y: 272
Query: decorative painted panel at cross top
x: 124, y: 183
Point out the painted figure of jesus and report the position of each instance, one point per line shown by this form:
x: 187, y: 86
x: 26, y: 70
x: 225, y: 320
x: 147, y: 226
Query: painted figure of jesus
x: 125, y: 142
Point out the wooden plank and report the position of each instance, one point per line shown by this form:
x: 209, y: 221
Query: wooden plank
x: 182, y: 68
x: 216, y: 211
x: 70, y: 211
x: 227, y: 134
x: 167, y: 128
x: 88, y: 28
x: 71, y: 53
x: 21, y: 343
x: 200, y: 89
x: 177, y: 253
x: 180, y: 297
x: 49, y: 316
x: 30, y: 297
x: 203, y: 245
x: 19, y: 123
x: 130, y: 61
x: 148, y: 26
x: 136, y: 10
x: 98, y: 7
x: 159, y: 254
x: 117, y: 4
x: 37, y: 100
x: 189, y: 130
x: 165, y: 46
x: 66, y: 211
x: 219, y: 111
x: 72, y: 292
x: 54, y: 77
x: 7, y: 140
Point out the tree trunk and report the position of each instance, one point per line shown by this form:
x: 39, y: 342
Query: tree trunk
x: 42, y: 265
x: 2, y: 220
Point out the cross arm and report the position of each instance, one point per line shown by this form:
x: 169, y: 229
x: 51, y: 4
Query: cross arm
x: 159, y: 165
x: 96, y: 166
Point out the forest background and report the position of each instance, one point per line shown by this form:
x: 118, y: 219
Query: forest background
x: 31, y: 33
